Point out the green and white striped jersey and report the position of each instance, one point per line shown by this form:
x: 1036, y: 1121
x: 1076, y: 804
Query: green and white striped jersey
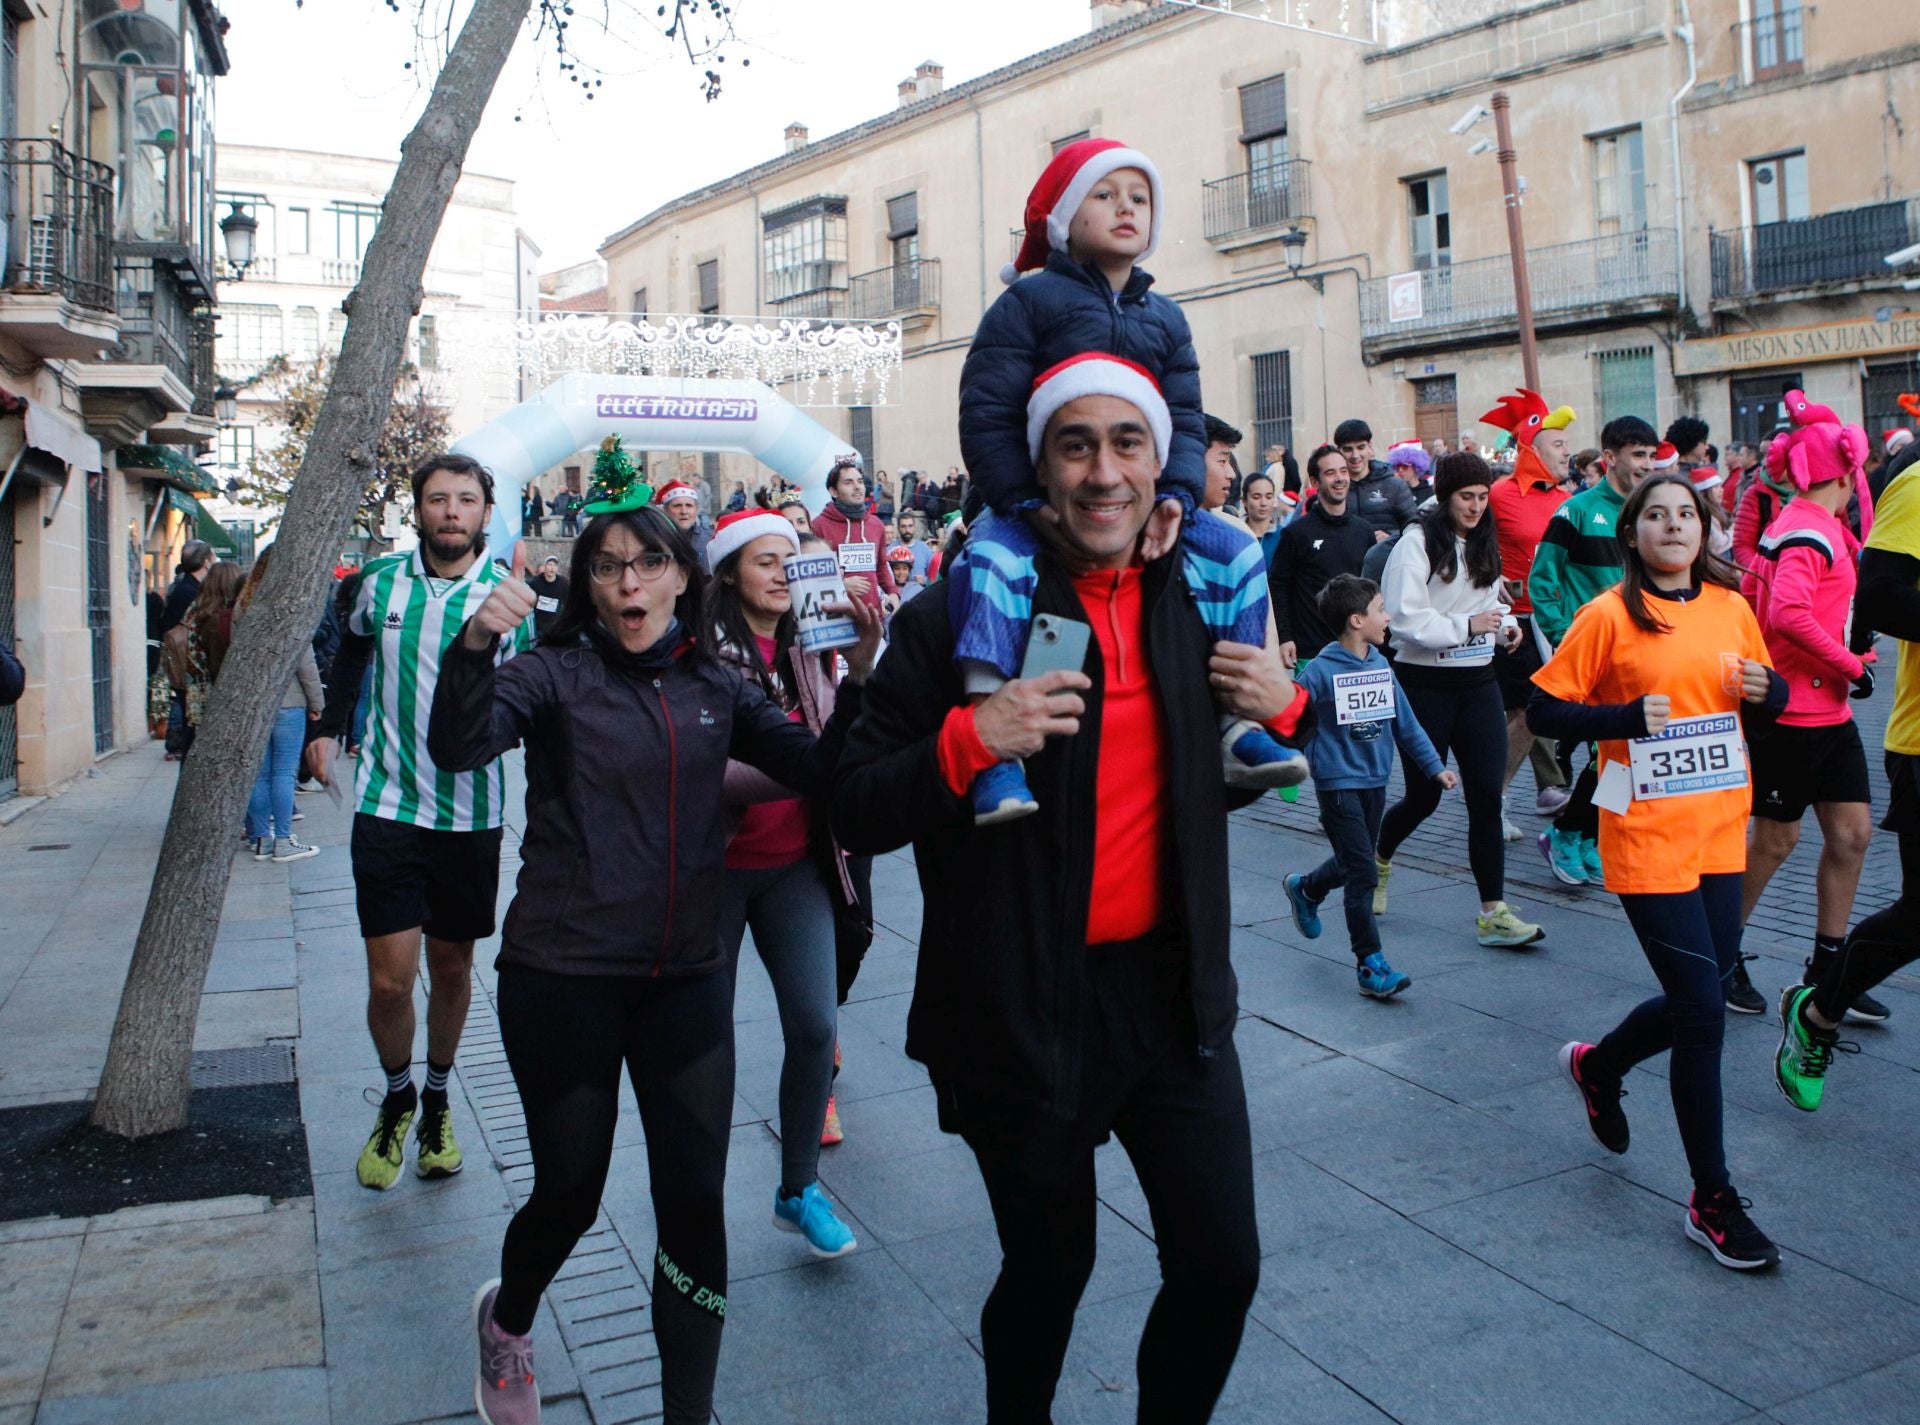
x: 413, y: 616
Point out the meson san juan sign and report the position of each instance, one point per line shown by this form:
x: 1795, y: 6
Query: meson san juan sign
x: 1794, y: 346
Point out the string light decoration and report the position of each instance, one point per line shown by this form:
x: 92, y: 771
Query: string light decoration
x: 1292, y: 15
x: 822, y: 363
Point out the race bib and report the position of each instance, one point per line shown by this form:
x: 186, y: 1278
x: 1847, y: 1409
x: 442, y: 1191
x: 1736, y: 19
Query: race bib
x: 857, y: 558
x: 1363, y: 697
x: 1478, y: 649
x: 1689, y: 756
x: 547, y: 604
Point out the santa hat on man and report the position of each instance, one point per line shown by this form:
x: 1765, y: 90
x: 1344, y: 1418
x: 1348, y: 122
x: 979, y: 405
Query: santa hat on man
x: 676, y: 490
x: 1095, y: 373
x: 1665, y: 456
x: 1063, y: 187
x: 743, y: 527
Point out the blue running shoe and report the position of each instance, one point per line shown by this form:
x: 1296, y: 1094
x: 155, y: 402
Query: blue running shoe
x: 1380, y: 980
x: 811, y: 1215
x: 1306, y: 913
x: 1254, y: 758
x: 1001, y: 794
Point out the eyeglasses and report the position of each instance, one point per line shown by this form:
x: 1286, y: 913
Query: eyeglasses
x: 605, y: 569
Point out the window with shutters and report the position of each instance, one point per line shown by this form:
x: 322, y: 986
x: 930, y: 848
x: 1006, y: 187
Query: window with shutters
x: 1619, y: 182
x: 1627, y: 385
x: 1263, y: 133
x: 1272, y: 400
x: 860, y: 433
x: 250, y: 335
x: 903, y: 229
x: 1429, y: 221
x: 805, y: 246
x: 706, y: 281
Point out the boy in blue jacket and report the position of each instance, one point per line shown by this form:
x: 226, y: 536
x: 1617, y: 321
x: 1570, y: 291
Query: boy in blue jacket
x: 1094, y: 214
x: 1356, y: 701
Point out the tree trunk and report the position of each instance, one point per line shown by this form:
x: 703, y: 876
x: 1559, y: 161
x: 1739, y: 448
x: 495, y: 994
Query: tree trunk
x: 145, y: 1086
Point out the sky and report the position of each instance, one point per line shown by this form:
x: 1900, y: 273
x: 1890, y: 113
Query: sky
x: 332, y: 75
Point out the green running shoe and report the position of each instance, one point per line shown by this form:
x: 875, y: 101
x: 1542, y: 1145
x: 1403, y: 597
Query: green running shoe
x: 386, y: 1151
x: 1501, y: 927
x: 1800, y: 1066
x: 439, y: 1156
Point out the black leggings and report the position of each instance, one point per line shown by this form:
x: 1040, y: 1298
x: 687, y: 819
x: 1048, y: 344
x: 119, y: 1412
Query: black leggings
x: 1580, y: 815
x: 1182, y: 1119
x: 566, y: 1037
x: 1885, y: 941
x: 1459, y: 708
x: 1692, y: 940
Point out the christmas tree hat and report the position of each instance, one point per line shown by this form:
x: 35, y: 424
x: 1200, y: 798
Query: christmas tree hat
x: 617, y: 485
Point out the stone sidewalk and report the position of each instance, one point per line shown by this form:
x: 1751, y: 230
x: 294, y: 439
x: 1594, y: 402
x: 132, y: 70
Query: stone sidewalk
x: 1443, y: 1241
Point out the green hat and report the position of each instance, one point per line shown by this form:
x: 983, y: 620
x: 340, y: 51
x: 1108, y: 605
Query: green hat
x: 617, y: 486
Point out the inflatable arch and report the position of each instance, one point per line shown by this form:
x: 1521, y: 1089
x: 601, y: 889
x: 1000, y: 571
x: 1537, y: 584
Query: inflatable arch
x: 576, y: 413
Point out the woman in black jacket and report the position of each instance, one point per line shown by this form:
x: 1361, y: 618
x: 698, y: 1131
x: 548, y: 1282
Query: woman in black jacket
x: 611, y: 952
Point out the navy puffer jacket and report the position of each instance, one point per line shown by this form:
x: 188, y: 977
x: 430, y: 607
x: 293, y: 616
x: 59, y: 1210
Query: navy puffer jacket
x: 1068, y: 309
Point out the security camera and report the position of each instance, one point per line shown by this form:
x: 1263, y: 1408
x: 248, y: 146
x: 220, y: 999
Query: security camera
x: 1469, y: 119
x: 1904, y: 256
x: 1480, y: 146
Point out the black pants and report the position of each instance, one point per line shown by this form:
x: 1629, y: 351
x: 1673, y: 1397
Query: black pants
x: 566, y: 1038
x: 1889, y: 939
x: 1182, y: 1119
x: 1459, y: 708
x: 1351, y: 818
x: 853, y: 926
x: 1692, y: 940
x: 1580, y: 815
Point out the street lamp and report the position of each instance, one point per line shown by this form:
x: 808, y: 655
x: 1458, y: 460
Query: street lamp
x: 1516, y: 239
x: 1294, y: 242
x: 237, y: 231
x: 226, y: 405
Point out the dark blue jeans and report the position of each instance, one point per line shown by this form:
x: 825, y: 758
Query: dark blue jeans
x: 1351, y: 818
x: 1692, y: 940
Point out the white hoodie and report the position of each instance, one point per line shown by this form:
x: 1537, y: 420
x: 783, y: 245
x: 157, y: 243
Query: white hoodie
x: 1430, y: 617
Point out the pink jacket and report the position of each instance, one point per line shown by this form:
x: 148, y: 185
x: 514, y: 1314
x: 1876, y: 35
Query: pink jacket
x: 1806, y: 603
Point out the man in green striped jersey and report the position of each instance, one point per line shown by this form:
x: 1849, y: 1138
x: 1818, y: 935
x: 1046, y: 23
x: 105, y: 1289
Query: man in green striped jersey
x: 426, y: 843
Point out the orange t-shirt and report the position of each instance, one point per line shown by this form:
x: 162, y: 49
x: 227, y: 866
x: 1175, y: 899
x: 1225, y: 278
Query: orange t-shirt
x: 1666, y: 845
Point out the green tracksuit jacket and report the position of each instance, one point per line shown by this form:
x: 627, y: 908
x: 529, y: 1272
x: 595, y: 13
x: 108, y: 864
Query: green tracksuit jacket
x: 1579, y: 558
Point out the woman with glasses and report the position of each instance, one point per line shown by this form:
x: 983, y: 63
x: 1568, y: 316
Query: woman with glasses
x: 611, y: 951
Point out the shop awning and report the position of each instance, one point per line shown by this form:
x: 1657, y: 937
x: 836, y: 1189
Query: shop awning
x: 49, y: 430
x: 164, y: 463
x: 205, y: 525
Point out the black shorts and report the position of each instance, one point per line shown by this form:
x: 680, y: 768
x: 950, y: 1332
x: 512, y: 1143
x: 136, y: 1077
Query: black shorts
x: 1798, y: 767
x: 1514, y: 671
x: 445, y: 882
x: 1903, y: 795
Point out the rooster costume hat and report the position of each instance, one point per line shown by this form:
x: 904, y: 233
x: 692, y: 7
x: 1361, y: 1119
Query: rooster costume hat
x: 1525, y: 415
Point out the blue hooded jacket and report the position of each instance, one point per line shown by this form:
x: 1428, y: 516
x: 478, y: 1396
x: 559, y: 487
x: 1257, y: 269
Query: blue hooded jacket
x: 1068, y: 309
x: 1347, y: 756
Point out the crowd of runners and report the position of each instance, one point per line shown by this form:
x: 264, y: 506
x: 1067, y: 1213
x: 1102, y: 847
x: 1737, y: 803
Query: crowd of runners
x: 1122, y: 638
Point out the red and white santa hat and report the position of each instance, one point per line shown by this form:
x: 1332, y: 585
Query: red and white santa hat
x: 676, y: 490
x: 743, y: 527
x: 1063, y: 187
x: 1665, y: 456
x: 1096, y: 373
x: 1707, y: 477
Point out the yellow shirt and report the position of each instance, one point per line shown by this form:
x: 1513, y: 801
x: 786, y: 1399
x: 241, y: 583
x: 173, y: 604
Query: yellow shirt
x: 1896, y: 529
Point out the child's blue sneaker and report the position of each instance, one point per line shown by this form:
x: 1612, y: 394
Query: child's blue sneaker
x: 1001, y: 794
x: 1562, y: 850
x: 1379, y: 979
x: 1306, y: 913
x: 1590, y: 860
x: 1255, y: 758
x: 811, y: 1215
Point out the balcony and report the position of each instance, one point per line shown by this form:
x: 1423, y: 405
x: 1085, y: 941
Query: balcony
x: 1621, y: 278
x: 55, y: 227
x: 1835, y: 251
x: 263, y: 269
x: 151, y: 374
x: 1247, y: 208
x: 908, y: 293
x: 339, y: 272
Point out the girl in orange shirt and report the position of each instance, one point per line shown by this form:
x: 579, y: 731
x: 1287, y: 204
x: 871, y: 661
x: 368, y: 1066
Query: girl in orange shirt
x: 1660, y: 671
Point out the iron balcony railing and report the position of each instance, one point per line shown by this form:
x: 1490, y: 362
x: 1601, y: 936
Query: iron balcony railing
x: 201, y: 357
x: 904, y: 287
x: 1848, y: 246
x: 1570, y: 282
x: 1249, y: 202
x: 58, y: 213
x: 156, y: 317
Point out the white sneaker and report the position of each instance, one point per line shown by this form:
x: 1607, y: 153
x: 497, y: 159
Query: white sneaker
x: 293, y: 849
x: 1508, y: 831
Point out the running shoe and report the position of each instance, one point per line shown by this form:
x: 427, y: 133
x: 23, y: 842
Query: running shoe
x: 438, y: 1155
x: 386, y: 1151
x: 1550, y: 800
x: 1500, y: 928
x: 291, y: 848
x: 831, y: 1134
x: 1719, y: 1222
x: 1865, y: 1009
x: 1590, y: 858
x: 1253, y: 757
x: 1306, y: 911
x: 811, y: 1215
x: 1378, y: 979
x: 1562, y: 850
x: 1742, y: 997
x: 1001, y: 794
x: 1382, y: 869
x: 503, y: 1388
x: 1806, y: 1052
x: 1605, y: 1118
x: 1508, y: 831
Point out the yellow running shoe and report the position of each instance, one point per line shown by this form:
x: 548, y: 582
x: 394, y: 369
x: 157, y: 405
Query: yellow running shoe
x: 386, y: 1151
x: 438, y: 1156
